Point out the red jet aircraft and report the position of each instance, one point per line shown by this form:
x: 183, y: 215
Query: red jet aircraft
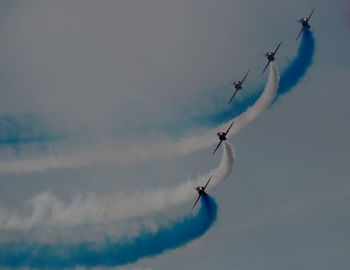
x: 222, y: 137
x: 201, y: 192
x: 238, y: 86
x: 270, y: 57
x: 305, y: 23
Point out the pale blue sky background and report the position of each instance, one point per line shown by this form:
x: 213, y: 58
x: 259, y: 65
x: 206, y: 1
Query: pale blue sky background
x: 87, y: 67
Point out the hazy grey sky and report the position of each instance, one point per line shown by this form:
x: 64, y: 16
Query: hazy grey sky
x: 89, y: 68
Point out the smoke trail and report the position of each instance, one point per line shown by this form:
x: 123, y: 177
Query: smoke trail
x: 261, y: 104
x: 18, y: 129
x: 47, y: 210
x: 298, y: 67
x: 133, y: 153
x: 290, y: 77
x: 241, y: 121
x: 112, y: 252
x: 59, y: 157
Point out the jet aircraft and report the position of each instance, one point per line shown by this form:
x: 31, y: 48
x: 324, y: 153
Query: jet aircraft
x: 305, y: 23
x: 238, y: 86
x: 270, y: 57
x: 222, y: 137
x: 201, y: 192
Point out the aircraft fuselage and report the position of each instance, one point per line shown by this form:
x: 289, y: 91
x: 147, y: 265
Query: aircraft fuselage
x: 201, y: 190
x: 305, y: 23
x: 222, y: 136
x: 237, y: 85
x: 270, y: 56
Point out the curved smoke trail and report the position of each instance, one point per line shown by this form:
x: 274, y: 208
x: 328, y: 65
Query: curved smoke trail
x: 47, y: 210
x: 189, y: 145
x: 260, y: 105
x: 125, y: 155
x: 108, y: 153
x: 112, y: 252
x: 290, y: 77
x: 298, y: 67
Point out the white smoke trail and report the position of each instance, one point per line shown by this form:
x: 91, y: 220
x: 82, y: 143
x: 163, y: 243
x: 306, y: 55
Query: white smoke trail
x: 189, y: 145
x: 48, y: 210
x: 262, y: 103
x: 110, y: 153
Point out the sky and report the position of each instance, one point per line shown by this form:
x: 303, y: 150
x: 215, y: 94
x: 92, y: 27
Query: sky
x: 80, y: 73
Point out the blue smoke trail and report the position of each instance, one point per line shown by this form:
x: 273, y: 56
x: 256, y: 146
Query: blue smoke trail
x: 298, y: 67
x: 15, y: 131
x: 295, y: 71
x: 112, y: 253
x: 23, y: 128
x: 292, y: 75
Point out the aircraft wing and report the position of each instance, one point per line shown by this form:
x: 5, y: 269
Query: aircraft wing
x: 302, y: 29
x: 229, y: 127
x: 199, y: 196
x: 277, y: 47
x: 245, y: 77
x: 311, y: 13
x: 234, y: 94
x: 268, y: 63
x: 216, y: 148
x: 207, y: 182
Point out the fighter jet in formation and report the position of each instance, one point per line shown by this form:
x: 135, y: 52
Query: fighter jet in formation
x: 201, y: 192
x: 222, y: 137
x: 238, y: 86
x: 305, y: 23
x: 270, y: 57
